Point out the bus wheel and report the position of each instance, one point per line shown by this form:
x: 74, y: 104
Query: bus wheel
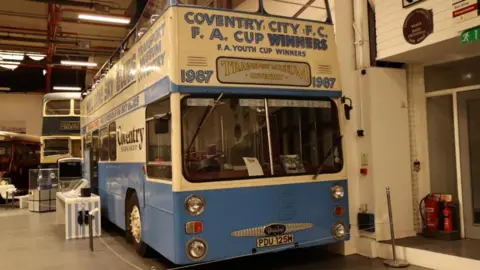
x: 133, y: 225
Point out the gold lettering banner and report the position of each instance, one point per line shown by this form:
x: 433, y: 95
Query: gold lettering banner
x: 252, y: 71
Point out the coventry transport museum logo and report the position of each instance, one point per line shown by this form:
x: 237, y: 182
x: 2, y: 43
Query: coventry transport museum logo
x: 131, y: 140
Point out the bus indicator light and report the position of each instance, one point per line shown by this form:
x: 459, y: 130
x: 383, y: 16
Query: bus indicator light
x: 193, y: 227
x: 339, y: 211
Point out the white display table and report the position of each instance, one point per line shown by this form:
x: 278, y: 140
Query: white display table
x: 73, y: 212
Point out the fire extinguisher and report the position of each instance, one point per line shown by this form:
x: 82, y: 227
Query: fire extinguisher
x: 447, y: 219
x: 431, y: 212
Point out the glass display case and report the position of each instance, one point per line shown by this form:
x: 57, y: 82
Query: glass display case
x: 43, y: 186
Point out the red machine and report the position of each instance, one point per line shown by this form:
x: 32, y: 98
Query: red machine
x: 439, y: 214
x: 440, y: 217
x: 447, y: 219
x: 430, y: 216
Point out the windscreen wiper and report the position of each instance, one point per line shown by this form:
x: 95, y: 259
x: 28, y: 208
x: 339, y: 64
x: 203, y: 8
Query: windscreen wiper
x: 337, y: 141
x: 204, y: 118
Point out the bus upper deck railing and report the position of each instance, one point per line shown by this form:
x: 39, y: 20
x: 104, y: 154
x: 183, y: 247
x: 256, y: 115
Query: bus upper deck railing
x: 155, y: 8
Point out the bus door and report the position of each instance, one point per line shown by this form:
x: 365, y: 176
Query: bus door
x: 93, y: 161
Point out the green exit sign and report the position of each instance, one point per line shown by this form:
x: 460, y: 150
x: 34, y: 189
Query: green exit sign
x: 471, y: 35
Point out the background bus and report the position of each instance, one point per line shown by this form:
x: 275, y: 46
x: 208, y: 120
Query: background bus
x: 60, y: 128
x: 18, y: 154
x: 213, y: 134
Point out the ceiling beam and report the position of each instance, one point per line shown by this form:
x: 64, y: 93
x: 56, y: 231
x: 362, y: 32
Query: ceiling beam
x: 63, y: 34
x: 102, y: 7
x: 37, y: 40
x: 59, y: 50
x: 56, y: 66
x: 54, y: 17
x: 60, y: 37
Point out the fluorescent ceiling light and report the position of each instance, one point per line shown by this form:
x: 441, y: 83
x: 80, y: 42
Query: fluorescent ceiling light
x: 4, y: 88
x: 9, y: 63
x: 12, y: 56
x: 100, y: 18
x: 12, y: 67
x: 67, y: 88
x: 78, y: 63
x: 36, y: 56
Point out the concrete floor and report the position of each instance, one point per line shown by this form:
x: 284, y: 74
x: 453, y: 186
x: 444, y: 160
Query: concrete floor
x: 32, y: 241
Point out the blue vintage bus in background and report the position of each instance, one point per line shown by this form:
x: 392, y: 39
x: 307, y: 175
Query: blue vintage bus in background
x: 215, y: 131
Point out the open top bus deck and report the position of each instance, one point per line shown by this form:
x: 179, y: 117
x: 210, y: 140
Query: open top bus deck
x: 213, y: 134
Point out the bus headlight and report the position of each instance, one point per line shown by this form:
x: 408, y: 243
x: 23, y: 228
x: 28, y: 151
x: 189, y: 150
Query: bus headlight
x: 339, y: 230
x: 195, y: 205
x: 338, y: 192
x: 196, y: 249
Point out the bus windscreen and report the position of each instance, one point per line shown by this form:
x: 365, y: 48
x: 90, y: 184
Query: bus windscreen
x: 235, y: 138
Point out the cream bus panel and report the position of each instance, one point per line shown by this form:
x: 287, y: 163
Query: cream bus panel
x: 188, y: 47
x: 145, y: 64
x: 131, y: 137
x: 255, y: 50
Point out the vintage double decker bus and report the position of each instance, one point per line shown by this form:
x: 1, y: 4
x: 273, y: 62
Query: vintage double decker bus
x: 215, y: 130
x: 18, y: 154
x: 60, y: 128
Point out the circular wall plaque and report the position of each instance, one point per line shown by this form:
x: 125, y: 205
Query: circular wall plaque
x: 418, y: 25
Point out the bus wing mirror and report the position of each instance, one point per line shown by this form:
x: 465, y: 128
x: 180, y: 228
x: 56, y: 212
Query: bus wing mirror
x: 347, y: 107
x: 161, y: 126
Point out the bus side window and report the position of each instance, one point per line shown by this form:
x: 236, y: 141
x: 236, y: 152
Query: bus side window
x: 112, y: 128
x: 76, y: 107
x: 95, y: 146
x: 76, y: 145
x: 21, y: 153
x: 159, y: 156
x: 34, y: 152
x: 104, y: 149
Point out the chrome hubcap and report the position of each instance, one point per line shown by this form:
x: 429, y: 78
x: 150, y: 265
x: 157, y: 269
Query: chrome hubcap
x: 136, y: 224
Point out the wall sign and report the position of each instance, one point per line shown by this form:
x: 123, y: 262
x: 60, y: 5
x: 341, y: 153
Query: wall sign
x: 408, y: 3
x: 464, y: 10
x: 471, y: 35
x: 418, y: 25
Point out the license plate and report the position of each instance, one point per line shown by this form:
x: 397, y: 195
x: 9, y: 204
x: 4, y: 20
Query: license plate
x: 275, y: 240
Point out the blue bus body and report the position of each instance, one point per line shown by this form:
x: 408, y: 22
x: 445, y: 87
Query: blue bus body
x: 236, y: 215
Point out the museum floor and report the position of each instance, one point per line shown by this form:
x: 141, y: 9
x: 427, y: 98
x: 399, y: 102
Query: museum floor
x: 32, y: 241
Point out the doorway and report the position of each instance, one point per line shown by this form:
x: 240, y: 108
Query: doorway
x: 453, y: 118
x: 468, y: 104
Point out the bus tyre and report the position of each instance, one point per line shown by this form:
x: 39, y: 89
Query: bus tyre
x: 133, y: 225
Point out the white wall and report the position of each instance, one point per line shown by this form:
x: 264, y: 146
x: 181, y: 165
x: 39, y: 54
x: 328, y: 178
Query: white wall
x: 22, y: 108
x: 390, y: 16
x: 384, y: 92
x: 418, y: 137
